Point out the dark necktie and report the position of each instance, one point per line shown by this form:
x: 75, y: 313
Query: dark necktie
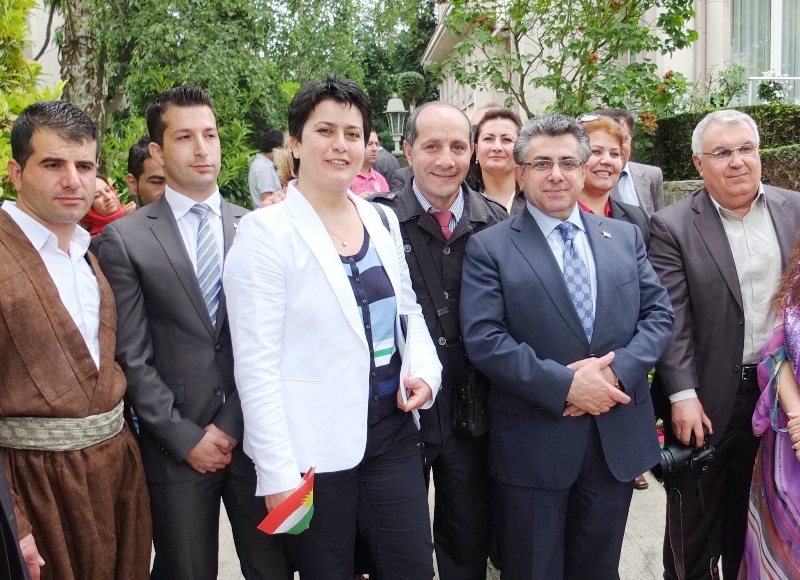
x: 443, y: 219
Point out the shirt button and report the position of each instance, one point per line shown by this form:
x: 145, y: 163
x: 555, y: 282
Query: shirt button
x: 446, y: 251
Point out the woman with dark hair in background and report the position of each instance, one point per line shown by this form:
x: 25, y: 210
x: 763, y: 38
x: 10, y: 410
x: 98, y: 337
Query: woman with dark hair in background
x: 318, y: 292
x: 493, y: 162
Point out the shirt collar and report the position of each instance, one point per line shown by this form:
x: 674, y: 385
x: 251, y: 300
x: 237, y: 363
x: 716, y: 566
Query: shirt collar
x: 548, y: 223
x: 39, y: 235
x: 457, y: 207
x: 181, y: 205
x: 626, y: 170
x: 757, y: 203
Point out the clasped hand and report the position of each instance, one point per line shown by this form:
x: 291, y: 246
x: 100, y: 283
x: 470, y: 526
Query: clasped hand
x: 213, y: 451
x: 593, y: 387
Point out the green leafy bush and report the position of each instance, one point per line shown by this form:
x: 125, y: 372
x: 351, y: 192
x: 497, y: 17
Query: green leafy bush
x: 780, y: 167
x: 19, y: 86
x: 778, y: 125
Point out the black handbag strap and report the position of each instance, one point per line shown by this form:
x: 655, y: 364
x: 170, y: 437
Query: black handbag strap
x: 433, y: 282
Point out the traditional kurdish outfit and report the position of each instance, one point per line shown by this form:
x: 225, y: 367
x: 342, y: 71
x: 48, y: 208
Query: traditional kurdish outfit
x: 772, y: 541
x: 87, y: 508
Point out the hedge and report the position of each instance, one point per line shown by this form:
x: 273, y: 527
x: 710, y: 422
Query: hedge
x: 781, y: 167
x: 778, y: 124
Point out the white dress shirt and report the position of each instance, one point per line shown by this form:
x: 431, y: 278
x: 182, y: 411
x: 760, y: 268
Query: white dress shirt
x: 71, y: 273
x: 188, y: 222
x: 548, y: 224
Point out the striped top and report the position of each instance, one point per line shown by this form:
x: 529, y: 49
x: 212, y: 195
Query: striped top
x: 377, y: 305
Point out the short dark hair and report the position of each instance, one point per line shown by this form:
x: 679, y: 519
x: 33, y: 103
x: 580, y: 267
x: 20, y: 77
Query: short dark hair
x: 333, y: 88
x: 551, y: 125
x: 137, y: 154
x: 411, y: 124
x: 62, y: 118
x: 619, y: 115
x: 498, y: 113
x: 183, y: 96
x: 270, y: 140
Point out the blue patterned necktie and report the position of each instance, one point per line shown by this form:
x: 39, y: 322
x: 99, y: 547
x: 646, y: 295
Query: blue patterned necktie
x: 576, y: 275
x: 208, y: 265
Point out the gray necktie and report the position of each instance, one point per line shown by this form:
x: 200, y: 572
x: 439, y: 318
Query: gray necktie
x: 576, y: 275
x: 208, y: 264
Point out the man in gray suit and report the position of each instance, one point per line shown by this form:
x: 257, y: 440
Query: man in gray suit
x: 720, y: 253
x: 639, y: 184
x: 164, y: 263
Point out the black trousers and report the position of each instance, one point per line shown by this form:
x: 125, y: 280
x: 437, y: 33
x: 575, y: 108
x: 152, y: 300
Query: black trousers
x: 186, y: 525
x: 462, y: 531
x: 384, y: 498
x: 574, y: 533
x: 726, y: 492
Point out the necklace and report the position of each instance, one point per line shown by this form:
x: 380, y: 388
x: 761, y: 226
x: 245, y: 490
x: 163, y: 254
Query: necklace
x: 341, y: 238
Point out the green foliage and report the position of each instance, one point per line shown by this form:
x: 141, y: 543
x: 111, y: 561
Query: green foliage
x: 577, y: 49
x: 780, y: 166
x: 19, y: 86
x: 715, y: 90
x: 410, y: 86
x: 776, y: 91
x: 114, y: 147
x: 778, y: 125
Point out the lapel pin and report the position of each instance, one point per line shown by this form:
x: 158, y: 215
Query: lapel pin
x: 236, y: 226
x: 606, y: 234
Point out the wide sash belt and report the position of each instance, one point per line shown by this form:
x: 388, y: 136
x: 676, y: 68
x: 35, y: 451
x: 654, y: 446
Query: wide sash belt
x: 60, y: 434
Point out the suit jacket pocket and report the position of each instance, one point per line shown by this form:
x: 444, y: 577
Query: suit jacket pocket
x: 178, y: 391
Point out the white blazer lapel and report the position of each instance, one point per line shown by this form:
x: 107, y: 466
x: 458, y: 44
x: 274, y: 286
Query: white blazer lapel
x: 310, y: 228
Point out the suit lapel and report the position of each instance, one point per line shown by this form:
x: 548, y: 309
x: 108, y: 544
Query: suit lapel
x: 709, y: 226
x: 230, y: 221
x: 784, y: 221
x: 310, y: 228
x: 535, y: 250
x: 165, y: 229
x: 642, y: 187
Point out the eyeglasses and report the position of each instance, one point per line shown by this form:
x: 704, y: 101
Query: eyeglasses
x: 727, y: 153
x: 543, y: 165
x: 588, y: 117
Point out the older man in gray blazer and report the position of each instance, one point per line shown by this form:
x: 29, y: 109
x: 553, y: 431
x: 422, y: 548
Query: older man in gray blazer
x: 164, y: 264
x: 719, y: 253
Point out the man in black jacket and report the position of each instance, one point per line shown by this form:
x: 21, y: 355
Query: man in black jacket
x: 436, y: 207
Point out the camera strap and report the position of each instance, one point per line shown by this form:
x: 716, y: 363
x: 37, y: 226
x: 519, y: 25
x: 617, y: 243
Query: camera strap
x: 675, y: 527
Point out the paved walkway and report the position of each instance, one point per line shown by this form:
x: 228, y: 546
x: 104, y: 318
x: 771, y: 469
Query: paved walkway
x: 641, y: 551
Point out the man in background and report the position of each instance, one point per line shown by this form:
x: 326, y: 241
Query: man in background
x: 369, y: 181
x: 145, y: 177
x: 262, y: 177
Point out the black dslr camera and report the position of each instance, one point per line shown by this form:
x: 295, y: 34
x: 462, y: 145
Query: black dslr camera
x: 677, y: 457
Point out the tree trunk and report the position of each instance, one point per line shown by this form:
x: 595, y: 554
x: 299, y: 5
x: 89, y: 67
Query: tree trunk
x: 83, y: 66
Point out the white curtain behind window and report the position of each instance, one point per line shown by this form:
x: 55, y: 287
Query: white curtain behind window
x: 750, y: 34
x: 790, y: 51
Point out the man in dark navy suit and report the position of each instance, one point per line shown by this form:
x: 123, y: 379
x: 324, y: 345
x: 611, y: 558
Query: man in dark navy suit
x: 563, y: 312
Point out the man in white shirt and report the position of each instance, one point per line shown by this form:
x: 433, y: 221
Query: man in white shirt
x: 262, y: 177
x: 76, y: 477
x: 165, y: 267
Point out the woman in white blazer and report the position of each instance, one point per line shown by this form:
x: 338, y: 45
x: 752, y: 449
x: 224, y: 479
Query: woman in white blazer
x: 318, y: 297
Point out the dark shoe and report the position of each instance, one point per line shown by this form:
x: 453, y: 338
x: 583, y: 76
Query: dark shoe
x: 640, y: 483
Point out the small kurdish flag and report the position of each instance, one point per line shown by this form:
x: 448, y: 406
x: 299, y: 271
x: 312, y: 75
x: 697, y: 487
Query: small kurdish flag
x: 293, y: 514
